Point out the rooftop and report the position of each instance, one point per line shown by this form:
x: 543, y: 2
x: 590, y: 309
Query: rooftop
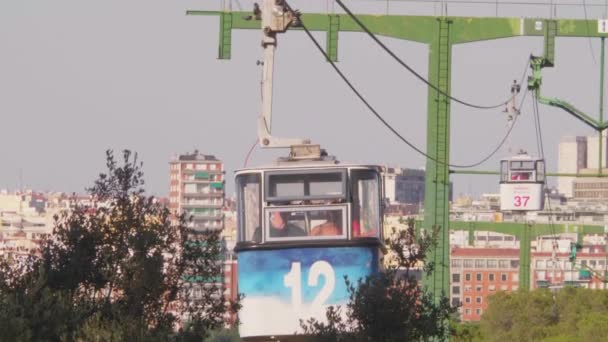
x: 195, y: 156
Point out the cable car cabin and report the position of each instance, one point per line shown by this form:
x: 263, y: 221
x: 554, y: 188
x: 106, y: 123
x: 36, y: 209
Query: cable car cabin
x: 522, y: 182
x: 303, y: 227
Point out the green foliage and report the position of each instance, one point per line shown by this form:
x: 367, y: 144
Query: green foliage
x: 224, y: 335
x: 571, y: 314
x: 465, y: 332
x: 391, y: 305
x: 114, y: 272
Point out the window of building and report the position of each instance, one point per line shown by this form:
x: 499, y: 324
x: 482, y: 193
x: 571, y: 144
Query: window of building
x: 190, y: 188
x: 467, y: 277
x: 515, y: 277
x: 491, y: 277
x: 479, y: 277
x: 478, y: 311
x: 480, y: 263
x: 492, y: 288
x: 503, y: 277
x: 541, y: 275
x: 456, y: 278
x: 456, y: 263
x: 467, y: 288
x: 514, y: 263
x: 503, y: 264
x: 455, y: 290
x: 478, y: 288
x: 503, y: 287
x: 455, y: 302
x: 467, y: 311
x: 478, y: 300
x: 468, y: 263
x: 467, y: 300
x: 492, y: 263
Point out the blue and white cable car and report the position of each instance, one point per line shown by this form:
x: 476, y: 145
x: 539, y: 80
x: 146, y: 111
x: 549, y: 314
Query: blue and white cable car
x: 303, y: 227
x: 304, y: 223
x: 522, y: 183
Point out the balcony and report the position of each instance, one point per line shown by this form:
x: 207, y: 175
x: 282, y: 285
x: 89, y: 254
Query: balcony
x: 199, y: 226
x: 213, y: 194
x: 211, y: 172
x: 205, y: 217
x: 191, y: 205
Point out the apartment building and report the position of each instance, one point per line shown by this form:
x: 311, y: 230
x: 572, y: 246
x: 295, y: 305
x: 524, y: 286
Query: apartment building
x: 553, y: 264
x: 478, y: 273
x: 197, y: 189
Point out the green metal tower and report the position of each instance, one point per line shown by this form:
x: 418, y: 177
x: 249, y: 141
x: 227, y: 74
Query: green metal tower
x: 440, y: 34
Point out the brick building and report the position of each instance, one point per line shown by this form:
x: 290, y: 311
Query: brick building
x: 477, y: 273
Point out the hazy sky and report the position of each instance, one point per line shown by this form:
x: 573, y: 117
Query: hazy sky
x: 78, y: 77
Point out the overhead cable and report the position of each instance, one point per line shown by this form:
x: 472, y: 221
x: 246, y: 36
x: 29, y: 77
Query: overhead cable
x: 588, y: 34
x: 379, y: 117
x: 410, y: 69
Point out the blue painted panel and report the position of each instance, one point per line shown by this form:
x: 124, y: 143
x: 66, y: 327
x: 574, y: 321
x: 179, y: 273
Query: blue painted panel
x: 286, y: 285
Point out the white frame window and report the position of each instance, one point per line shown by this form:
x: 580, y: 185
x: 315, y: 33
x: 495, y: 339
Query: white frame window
x: 343, y: 209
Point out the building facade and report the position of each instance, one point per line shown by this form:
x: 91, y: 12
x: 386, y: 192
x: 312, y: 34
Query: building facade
x: 552, y: 265
x: 404, y: 185
x: 571, y: 159
x: 478, y: 273
x: 593, y: 151
x: 197, y: 189
x: 591, y: 188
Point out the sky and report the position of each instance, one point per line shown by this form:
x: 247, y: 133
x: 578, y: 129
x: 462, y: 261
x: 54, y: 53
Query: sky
x: 80, y: 77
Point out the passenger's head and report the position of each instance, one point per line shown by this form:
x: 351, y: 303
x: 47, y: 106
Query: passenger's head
x: 277, y: 220
x: 333, y: 216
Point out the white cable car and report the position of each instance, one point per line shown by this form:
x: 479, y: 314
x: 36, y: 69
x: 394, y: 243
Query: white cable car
x: 522, y: 183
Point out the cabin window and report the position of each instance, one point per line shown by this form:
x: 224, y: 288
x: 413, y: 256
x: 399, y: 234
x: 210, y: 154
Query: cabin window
x: 248, y: 206
x: 540, y: 171
x: 504, y: 171
x: 366, y: 203
x: 522, y: 165
x: 305, y: 185
x: 521, y: 175
x: 305, y: 223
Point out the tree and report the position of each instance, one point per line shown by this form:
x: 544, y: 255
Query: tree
x: 464, y: 331
x: 390, y: 305
x: 224, y: 335
x: 121, y: 269
x: 570, y: 314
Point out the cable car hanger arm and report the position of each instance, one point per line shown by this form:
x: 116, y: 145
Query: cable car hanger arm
x: 534, y: 84
x: 276, y: 18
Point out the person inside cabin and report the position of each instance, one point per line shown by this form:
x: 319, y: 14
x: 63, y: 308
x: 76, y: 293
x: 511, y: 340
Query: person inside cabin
x: 280, y: 227
x: 331, y: 226
x: 520, y: 176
